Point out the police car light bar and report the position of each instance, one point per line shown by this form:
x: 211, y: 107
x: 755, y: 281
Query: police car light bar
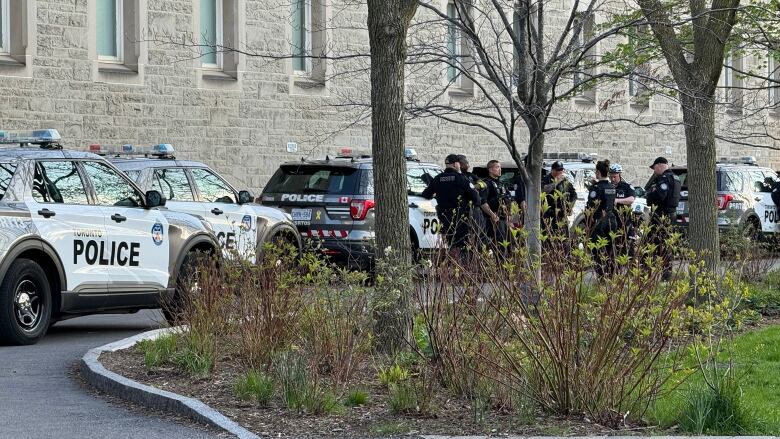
x: 744, y: 160
x: 583, y: 156
x: 410, y: 154
x: 43, y: 138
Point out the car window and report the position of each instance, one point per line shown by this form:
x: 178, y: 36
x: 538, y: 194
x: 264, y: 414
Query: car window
x: 173, y: 184
x: 7, y: 171
x: 111, y: 187
x: 416, y: 180
x: 730, y: 181
x: 212, y: 188
x: 58, y: 182
x: 756, y: 179
x: 334, y: 180
x: 133, y: 175
x: 367, y: 182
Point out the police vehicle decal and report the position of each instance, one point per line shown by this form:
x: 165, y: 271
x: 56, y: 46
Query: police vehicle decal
x: 157, y: 233
x: 246, y: 222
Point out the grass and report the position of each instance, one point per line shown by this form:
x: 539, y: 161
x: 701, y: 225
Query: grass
x: 392, y: 375
x: 255, y: 386
x: 160, y: 350
x: 757, y: 370
x: 391, y: 429
x: 356, y: 398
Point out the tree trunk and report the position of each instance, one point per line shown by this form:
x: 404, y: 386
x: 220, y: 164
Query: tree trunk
x: 533, y: 221
x: 699, y: 118
x: 388, y: 22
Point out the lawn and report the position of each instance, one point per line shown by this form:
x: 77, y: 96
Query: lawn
x: 756, y: 356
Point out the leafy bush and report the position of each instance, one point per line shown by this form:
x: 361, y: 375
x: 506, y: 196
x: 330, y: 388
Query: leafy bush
x: 160, y: 350
x: 256, y: 386
x: 356, y: 398
x: 392, y: 375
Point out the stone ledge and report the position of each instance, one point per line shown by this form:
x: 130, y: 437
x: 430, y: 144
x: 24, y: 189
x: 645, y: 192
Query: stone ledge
x: 116, y: 385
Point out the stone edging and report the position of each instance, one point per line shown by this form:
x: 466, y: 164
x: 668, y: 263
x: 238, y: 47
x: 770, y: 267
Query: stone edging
x: 116, y: 385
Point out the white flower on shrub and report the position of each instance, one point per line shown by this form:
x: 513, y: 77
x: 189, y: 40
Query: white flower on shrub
x: 388, y: 250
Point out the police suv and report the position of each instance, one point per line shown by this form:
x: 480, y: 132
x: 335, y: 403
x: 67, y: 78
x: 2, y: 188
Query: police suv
x: 744, y: 196
x: 581, y: 171
x: 241, y: 226
x: 332, y: 203
x: 78, y: 237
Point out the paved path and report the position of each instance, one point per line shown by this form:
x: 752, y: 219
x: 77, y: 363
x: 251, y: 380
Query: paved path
x: 39, y: 400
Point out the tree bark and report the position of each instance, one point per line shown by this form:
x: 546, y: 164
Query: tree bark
x: 533, y: 221
x: 699, y: 118
x: 388, y: 23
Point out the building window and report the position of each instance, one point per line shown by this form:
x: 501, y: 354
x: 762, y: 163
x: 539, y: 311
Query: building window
x: 5, y: 30
x: 454, y: 44
x: 301, y: 35
x: 773, y: 73
x: 110, y: 30
x: 638, y: 76
x: 732, y: 82
x: 585, y: 69
x: 211, y: 42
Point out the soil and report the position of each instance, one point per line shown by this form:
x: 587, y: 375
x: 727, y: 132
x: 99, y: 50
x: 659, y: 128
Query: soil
x: 453, y: 416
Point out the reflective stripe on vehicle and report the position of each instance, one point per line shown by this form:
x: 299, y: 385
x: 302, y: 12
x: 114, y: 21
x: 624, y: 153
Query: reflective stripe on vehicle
x: 325, y: 233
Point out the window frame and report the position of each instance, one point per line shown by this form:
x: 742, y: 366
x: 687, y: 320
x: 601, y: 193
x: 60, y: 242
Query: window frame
x: 454, y: 40
x: 5, y: 25
x: 194, y: 184
x: 85, y: 182
x: 306, y: 31
x: 219, y: 36
x: 122, y: 175
x: 190, y: 182
x: 773, y: 73
x: 578, y: 78
x: 119, y: 31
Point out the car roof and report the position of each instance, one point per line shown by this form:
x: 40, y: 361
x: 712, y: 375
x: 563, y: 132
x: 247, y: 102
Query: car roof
x: 139, y: 163
x: 349, y: 162
x: 33, y: 153
x: 729, y: 166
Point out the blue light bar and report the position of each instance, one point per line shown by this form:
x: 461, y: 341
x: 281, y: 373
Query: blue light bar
x: 32, y: 137
x: 162, y: 149
x: 127, y: 148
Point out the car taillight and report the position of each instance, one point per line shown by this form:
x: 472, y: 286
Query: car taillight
x: 724, y: 200
x: 358, y: 209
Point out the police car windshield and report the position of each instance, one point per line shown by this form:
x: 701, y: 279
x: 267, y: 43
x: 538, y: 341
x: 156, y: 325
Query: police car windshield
x: 314, y: 179
x: 6, y: 172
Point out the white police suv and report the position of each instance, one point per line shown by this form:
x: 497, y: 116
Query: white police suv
x: 78, y: 237
x: 241, y: 226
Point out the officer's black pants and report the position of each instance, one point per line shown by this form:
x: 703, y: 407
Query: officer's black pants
x: 455, y: 229
x: 661, y: 229
x: 604, y: 258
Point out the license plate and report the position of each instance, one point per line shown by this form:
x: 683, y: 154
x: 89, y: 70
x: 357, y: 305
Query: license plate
x: 681, y: 207
x: 301, y: 214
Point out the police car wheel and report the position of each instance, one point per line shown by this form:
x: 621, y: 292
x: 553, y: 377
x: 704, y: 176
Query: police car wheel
x: 185, y: 287
x: 25, y: 303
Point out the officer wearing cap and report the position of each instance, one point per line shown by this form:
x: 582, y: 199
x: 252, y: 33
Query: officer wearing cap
x: 624, y: 198
x: 560, y: 195
x: 601, y: 205
x: 455, y: 196
x: 663, y: 196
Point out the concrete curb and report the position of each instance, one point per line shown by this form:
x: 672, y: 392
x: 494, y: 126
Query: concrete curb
x: 116, y: 385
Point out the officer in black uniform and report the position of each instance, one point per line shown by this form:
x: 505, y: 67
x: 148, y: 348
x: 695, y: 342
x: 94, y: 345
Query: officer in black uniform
x: 663, y: 196
x: 601, y: 205
x: 560, y: 195
x: 499, y: 201
x: 624, y: 198
x: 454, y: 198
x: 478, y: 226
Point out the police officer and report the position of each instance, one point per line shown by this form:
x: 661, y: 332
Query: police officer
x: 478, y: 226
x: 455, y: 196
x: 663, y: 196
x: 624, y: 198
x: 498, y: 200
x: 560, y: 195
x: 601, y: 205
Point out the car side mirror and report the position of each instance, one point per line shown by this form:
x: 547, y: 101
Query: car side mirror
x: 154, y: 199
x: 245, y: 197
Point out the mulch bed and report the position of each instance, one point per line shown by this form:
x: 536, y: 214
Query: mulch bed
x: 454, y: 416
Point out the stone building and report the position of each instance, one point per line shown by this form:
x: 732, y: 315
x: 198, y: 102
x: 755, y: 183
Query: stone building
x: 142, y: 72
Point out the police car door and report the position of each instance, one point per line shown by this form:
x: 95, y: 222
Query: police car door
x: 233, y: 223
x: 137, y: 248
x: 60, y: 210
x: 422, y: 212
x: 174, y: 185
x: 764, y: 206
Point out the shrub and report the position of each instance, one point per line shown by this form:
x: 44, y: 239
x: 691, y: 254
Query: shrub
x: 392, y: 375
x: 356, y: 398
x: 402, y: 398
x: 160, y: 350
x: 716, y: 408
x: 256, y: 386
x: 301, y: 390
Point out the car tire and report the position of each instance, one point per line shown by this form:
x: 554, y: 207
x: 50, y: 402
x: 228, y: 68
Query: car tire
x: 173, y: 309
x: 752, y: 230
x: 25, y: 303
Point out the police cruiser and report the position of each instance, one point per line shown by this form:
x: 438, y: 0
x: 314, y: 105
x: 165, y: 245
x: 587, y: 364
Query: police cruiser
x: 241, y: 226
x: 744, y: 196
x: 332, y: 203
x: 79, y: 237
